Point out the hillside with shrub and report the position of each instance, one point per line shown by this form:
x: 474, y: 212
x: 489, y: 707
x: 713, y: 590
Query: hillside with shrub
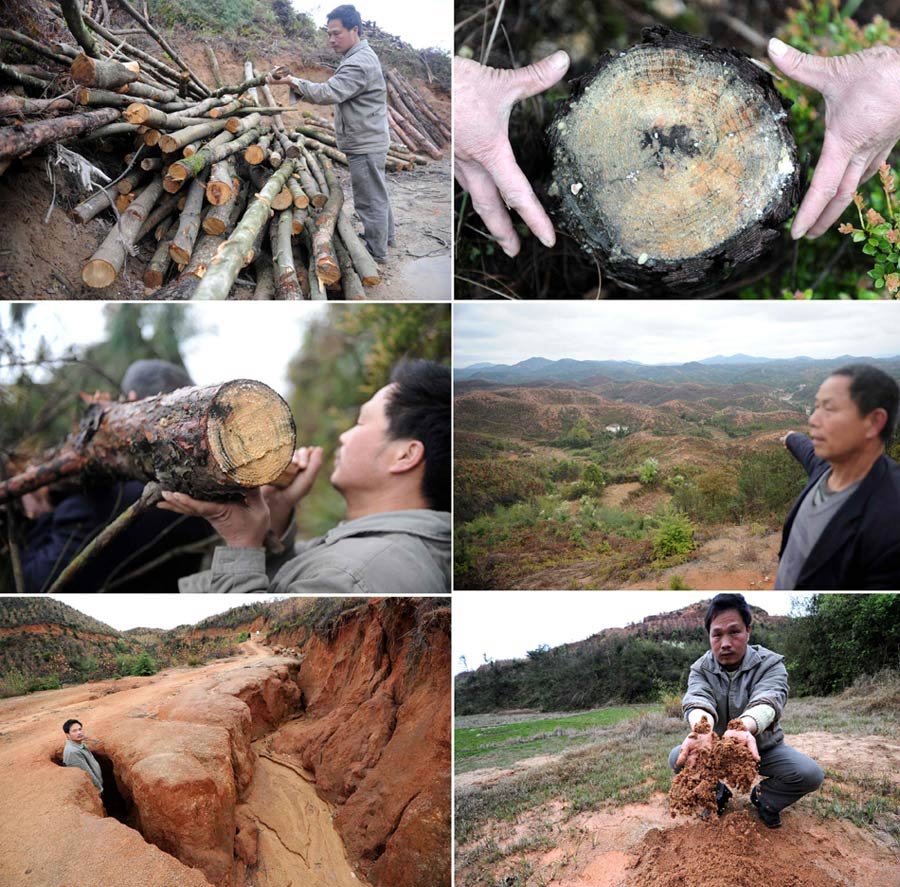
x: 615, y: 474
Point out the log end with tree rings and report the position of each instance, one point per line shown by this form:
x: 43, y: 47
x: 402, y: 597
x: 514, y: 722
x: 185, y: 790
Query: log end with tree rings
x: 673, y: 164
x: 251, y: 432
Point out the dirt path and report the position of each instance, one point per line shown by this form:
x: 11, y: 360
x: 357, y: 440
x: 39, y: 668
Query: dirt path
x: 297, y: 841
x: 641, y: 845
x: 615, y: 495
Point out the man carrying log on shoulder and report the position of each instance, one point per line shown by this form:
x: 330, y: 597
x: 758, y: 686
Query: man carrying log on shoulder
x: 393, y: 470
x: 358, y: 92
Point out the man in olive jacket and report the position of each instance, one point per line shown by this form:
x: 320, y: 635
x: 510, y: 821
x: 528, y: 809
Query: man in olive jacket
x: 358, y: 92
x: 735, y: 680
x: 393, y: 470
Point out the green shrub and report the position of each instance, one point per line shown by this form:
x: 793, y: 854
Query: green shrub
x: 674, y: 535
x: 648, y: 471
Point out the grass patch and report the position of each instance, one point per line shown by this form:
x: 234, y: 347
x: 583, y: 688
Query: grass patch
x: 503, y: 744
x: 866, y: 801
x: 627, y: 764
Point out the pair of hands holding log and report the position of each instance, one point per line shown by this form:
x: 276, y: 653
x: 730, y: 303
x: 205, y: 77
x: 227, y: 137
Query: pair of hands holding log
x: 245, y: 524
x: 862, y: 125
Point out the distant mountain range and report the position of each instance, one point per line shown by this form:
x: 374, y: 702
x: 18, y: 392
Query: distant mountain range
x: 720, y: 369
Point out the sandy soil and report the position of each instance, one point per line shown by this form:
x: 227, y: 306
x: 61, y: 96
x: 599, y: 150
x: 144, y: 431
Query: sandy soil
x: 296, y: 833
x: 641, y: 845
x: 41, y: 260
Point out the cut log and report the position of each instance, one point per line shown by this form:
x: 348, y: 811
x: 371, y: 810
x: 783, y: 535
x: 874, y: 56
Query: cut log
x: 239, y: 248
x: 175, y: 141
x: 8, y: 72
x: 18, y: 140
x: 256, y: 153
x: 189, y: 224
x: 15, y: 105
x: 213, y: 65
x: 220, y: 188
x: 365, y: 265
x: 265, y: 280
x: 222, y: 219
x: 351, y: 285
x: 316, y: 290
x: 163, y: 210
x: 103, y: 73
x: 327, y: 268
x: 210, y: 442
x: 301, y: 201
x: 203, y: 253
x: 673, y: 164
x: 101, y: 200
x: 34, y: 46
x: 102, y: 268
x: 158, y: 267
x: 287, y: 286
x: 309, y: 185
x: 279, y: 71
x: 213, y: 152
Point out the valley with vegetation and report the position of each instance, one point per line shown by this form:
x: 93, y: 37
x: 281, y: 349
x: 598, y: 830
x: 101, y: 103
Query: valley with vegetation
x: 583, y: 474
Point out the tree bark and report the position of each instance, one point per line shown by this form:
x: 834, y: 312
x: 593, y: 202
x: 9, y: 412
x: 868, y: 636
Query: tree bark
x: 222, y: 219
x: 287, y: 286
x: 10, y: 73
x: 362, y: 259
x: 301, y: 201
x: 673, y: 164
x: 14, y: 105
x: 265, y: 279
x: 351, y: 285
x: 220, y: 188
x: 327, y: 268
x: 189, y: 224
x: 235, y: 252
x: 174, y: 141
x: 103, y: 267
x: 103, y: 73
x: 309, y: 185
x: 101, y: 200
x: 256, y: 153
x: 158, y: 266
x: 18, y: 140
x: 210, y: 442
x: 34, y: 46
x: 188, y: 167
x: 214, y: 65
x: 72, y: 12
x: 279, y: 71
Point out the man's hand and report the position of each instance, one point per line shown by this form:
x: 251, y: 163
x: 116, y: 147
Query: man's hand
x: 37, y: 503
x: 484, y: 161
x: 691, y: 746
x: 744, y: 737
x: 862, y: 124
x: 272, y: 80
x: 784, y: 438
x: 283, y: 499
x: 240, y: 524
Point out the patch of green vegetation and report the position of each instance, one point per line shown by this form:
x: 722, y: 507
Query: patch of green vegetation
x: 627, y: 765
x: 866, y: 801
x: 479, y: 746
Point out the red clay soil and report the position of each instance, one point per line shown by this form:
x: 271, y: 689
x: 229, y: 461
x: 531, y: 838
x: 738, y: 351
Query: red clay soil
x: 732, y: 852
x: 694, y: 788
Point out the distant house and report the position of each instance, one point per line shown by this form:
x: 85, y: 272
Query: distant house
x: 616, y: 429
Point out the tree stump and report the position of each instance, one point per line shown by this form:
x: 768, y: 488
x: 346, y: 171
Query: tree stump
x: 673, y: 164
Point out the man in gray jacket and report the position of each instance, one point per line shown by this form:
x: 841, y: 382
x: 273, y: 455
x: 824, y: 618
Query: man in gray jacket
x: 77, y: 754
x: 358, y: 92
x: 735, y: 680
x: 393, y: 470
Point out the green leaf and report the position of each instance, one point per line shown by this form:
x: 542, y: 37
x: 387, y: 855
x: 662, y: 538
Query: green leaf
x: 869, y: 250
x: 879, y: 283
x: 859, y: 236
x: 878, y: 271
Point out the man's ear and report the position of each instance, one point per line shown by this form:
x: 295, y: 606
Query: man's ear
x: 408, y: 455
x: 877, y: 420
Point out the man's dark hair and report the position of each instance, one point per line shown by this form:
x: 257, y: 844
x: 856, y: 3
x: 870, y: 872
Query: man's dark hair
x: 349, y: 17
x: 721, y: 603
x: 71, y: 723
x: 871, y: 388
x: 148, y: 377
x: 419, y: 408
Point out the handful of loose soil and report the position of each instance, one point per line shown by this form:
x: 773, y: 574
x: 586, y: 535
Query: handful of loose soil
x: 694, y: 788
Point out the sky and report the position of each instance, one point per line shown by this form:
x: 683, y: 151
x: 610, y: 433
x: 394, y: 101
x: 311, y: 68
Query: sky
x: 423, y: 24
x: 124, y: 611
x: 243, y: 340
x: 507, y: 624
x: 672, y: 331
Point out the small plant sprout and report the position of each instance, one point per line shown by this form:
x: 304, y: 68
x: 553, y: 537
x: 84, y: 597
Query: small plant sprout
x: 879, y: 235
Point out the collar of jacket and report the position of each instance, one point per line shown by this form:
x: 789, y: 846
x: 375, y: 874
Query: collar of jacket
x: 750, y: 660
x: 848, y: 514
x: 357, y: 47
x: 432, y: 525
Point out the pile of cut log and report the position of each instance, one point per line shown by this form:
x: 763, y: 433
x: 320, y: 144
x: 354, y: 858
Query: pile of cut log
x: 216, y: 180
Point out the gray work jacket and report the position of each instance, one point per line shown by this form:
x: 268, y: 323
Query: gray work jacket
x: 78, y: 755
x: 395, y: 552
x: 358, y: 92
x: 761, y: 678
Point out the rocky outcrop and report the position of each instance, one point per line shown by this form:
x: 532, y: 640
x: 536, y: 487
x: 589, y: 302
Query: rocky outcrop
x: 376, y: 734
x: 185, y: 770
